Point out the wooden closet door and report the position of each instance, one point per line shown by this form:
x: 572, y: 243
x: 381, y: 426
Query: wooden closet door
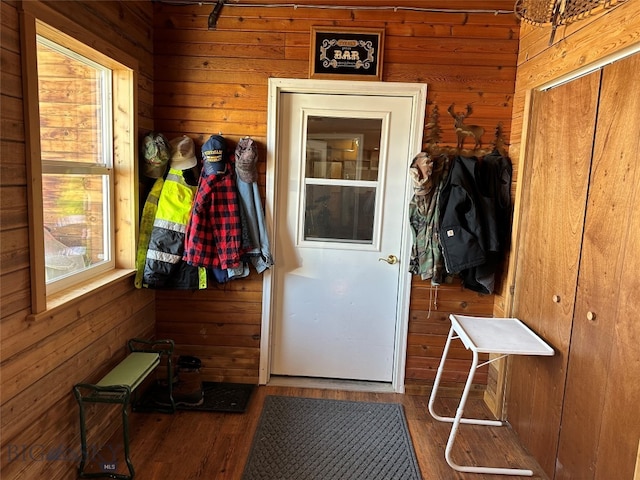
x: 558, y: 161
x: 601, y: 419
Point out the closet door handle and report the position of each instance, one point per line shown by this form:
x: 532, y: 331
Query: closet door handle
x: 556, y: 299
x: 591, y: 316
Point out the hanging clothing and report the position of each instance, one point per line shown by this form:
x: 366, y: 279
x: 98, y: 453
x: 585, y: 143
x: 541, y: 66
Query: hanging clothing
x: 164, y: 267
x: 462, y: 230
x: 259, y: 251
x: 146, y: 226
x: 496, y: 172
x: 255, y: 240
x: 214, y: 231
x: 427, y: 175
x: 474, y: 224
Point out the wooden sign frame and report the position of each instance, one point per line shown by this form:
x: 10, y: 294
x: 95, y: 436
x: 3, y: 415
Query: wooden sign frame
x: 346, y: 53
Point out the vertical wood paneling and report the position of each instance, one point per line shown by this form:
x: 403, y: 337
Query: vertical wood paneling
x: 597, y: 438
x: 581, y: 44
x: 559, y: 176
x: 43, y: 357
x: 216, y: 81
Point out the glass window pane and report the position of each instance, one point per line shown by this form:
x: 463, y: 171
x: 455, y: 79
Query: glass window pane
x: 341, y: 178
x: 76, y: 144
x: 72, y: 92
x: 343, y: 148
x: 339, y: 213
x: 75, y: 224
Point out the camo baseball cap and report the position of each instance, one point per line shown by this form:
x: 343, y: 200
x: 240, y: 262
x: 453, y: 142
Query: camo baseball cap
x: 155, y: 153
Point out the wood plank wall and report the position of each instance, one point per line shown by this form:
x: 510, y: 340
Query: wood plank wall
x: 41, y: 360
x: 576, y: 46
x: 208, y: 82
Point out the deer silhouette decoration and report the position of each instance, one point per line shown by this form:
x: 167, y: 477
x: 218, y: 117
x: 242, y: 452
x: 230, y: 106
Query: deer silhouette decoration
x: 463, y: 131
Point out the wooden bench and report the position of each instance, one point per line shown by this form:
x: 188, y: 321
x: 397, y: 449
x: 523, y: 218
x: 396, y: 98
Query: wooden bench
x: 117, y: 387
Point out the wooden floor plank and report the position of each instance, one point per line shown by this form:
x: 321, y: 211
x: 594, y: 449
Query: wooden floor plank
x: 215, y: 446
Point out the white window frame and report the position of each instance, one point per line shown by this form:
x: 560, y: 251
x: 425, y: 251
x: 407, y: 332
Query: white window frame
x: 39, y: 20
x: 104, y: 169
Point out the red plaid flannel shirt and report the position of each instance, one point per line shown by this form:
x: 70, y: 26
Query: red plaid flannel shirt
x: 214, y: 232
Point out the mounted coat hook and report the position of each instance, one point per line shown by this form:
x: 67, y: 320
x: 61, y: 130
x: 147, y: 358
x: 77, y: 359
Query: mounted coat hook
x: 215, y: 13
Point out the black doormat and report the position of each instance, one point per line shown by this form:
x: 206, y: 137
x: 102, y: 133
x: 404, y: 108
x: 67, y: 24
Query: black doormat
x: 322, y: 439
x: 218, y: 397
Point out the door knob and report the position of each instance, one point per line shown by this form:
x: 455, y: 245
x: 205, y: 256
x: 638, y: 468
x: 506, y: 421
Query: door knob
x: 591, y: 316
x: 391, y: 259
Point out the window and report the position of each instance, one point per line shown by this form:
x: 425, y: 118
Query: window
x: 76, y: 140
x: 80, y: 135
x: 341, y: 180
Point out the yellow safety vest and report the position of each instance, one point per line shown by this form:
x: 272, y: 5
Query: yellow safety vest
x: 171, y: 217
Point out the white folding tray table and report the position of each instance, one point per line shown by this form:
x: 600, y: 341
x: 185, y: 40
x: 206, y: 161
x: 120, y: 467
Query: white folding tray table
x: 505, y: 336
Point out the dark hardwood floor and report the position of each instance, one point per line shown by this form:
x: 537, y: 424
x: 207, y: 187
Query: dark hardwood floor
x: 214, y: 446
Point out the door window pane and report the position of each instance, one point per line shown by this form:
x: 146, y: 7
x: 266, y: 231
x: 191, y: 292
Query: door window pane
x: 343, y: 148
x: 339, y: 213
x: 341, y: 179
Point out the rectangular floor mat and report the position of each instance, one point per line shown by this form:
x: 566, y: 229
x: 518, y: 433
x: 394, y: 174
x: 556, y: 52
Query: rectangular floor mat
x: 218, y: 397
x: 321, y: 439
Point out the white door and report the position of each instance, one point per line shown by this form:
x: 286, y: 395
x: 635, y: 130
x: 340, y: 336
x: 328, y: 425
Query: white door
x: 340, y: 213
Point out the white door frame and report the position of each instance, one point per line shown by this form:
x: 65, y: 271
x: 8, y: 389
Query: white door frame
x: 279, y: 86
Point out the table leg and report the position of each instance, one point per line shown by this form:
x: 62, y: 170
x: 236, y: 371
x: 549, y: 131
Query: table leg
x: 458, y: 419
x: 436, y: 385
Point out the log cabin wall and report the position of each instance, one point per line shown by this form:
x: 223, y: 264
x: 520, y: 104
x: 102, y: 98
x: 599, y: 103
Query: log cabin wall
x: 41, y: 360
x: 208, y: 82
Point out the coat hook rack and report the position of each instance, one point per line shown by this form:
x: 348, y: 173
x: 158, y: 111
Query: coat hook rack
x: 433, y: 136
x: 462, y: 130
x: 214, y: 15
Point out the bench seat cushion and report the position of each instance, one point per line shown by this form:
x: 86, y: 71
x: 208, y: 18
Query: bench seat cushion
x: 132, y: 370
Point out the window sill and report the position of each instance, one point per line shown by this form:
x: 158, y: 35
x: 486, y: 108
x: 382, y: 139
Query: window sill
x: 66, y: 298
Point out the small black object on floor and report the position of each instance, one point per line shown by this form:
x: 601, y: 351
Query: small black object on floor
x: 218, y: 397
x: 224, y: 397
